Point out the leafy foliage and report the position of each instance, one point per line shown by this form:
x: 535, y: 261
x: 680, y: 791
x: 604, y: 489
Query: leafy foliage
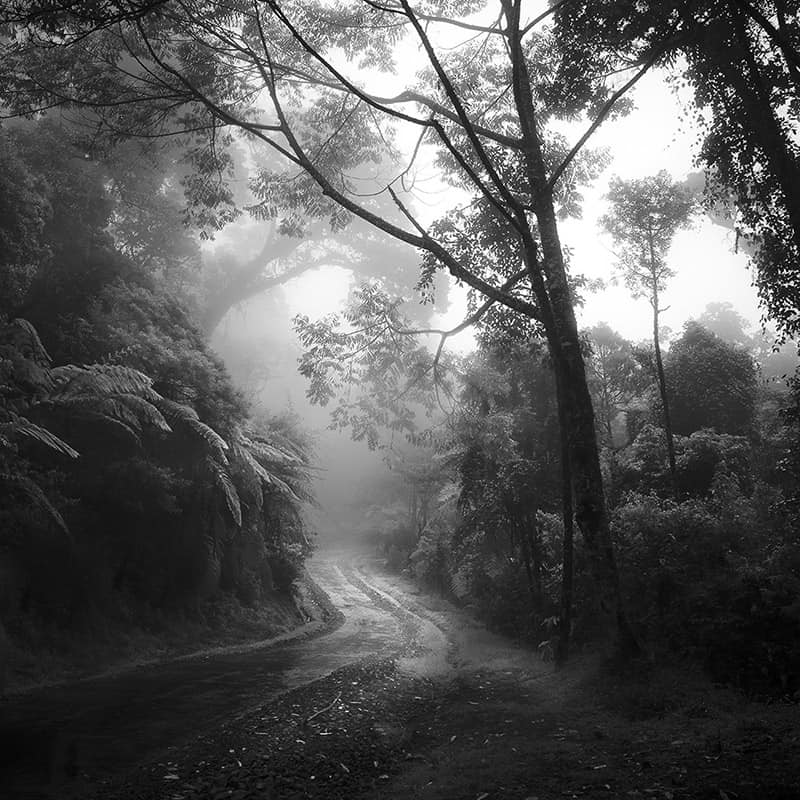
x: 740, y: 60
x: 616, y: 377
x: 370, y: 363
x: 121, y: 429
x: 711, y: 384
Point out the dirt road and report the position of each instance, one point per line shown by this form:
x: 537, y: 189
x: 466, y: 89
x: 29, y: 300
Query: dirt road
x: 407, y: 698
x: 66, y: 740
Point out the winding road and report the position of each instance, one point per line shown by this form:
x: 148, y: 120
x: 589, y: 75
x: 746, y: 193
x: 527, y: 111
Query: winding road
x: 67, y: 740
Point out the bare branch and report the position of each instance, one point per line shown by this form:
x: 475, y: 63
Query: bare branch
x: 386, y: 109
x: 493, y: 29
x: 604, y: 112
x: 543, y: 16
x: 416, y: 97
x: 469, y: 130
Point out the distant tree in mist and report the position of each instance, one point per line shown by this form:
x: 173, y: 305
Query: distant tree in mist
x: 711, y: 384
x: 644, y: 216
x: 615, y: 376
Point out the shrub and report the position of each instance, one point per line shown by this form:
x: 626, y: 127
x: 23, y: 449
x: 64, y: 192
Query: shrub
x: 696, y: 581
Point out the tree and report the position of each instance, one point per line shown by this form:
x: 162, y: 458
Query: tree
x: 24, y: 212
x: 615, y: 376
x: 644, y: 216
x: 743, y: 62
x: 711, y: 384
x: 723, y: 320
x: 490, y: 129
x: 120, y: 400
x: 233, y: 280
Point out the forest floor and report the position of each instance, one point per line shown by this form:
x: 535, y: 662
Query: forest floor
x: 427, y: 704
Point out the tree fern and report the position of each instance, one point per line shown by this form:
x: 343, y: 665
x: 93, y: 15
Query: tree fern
x: 267, y: 452
x: 103, y: 409
x: 283, y: 488
x: 132, y: 411
x: 23, y: 337
x: 245, y: 460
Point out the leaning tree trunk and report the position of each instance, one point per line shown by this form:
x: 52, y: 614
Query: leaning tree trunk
x: 558, y: 317
x: 554, y: 298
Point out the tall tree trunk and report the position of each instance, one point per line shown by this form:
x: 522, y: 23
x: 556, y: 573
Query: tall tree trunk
x: 662, y: 388
x: 551, y: 288
x: 567, y: 513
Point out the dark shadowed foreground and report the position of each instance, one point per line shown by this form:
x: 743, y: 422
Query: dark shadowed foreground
x: 407, y: 698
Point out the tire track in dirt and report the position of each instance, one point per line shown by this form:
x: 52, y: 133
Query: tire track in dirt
x: 61, y: 741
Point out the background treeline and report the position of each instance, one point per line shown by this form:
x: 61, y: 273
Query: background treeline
x: 709, y: 562
x: 136, y: 486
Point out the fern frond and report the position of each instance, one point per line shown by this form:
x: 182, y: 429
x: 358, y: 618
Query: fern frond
x: 111, y: 421
x: 19, y: 426
x: 283, y: 488
x: 146, y: 411
x: 225, y: 483
x: 71, y: 380
x: 34, y: 492
x: 97, y: 406
x: 174, y: 412
x: 268, y: 453
x: 20, y: 334
x: 255, y: 471
x: 214, y: 441
x: 187, y: 416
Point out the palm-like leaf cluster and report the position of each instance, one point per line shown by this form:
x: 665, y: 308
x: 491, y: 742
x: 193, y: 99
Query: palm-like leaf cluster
x: 121, y: 400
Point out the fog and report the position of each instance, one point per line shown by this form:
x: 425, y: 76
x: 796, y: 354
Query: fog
x: 260, y: 349
x: 370, y: 373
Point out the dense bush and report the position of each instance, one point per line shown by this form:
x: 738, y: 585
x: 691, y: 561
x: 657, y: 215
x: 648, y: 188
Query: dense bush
x: 710, y: 572
x: 137, y: 485
x: 700, y: 459
x: 702, y: 578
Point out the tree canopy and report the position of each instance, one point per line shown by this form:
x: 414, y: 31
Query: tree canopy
x: 711, y: 384
x: 741, y: 61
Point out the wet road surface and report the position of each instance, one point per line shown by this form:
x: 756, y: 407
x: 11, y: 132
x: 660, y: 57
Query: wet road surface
x: 63, y: 740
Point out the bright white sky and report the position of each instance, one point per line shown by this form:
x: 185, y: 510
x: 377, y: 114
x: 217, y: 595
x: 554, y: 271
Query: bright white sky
x: 653, y: 137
